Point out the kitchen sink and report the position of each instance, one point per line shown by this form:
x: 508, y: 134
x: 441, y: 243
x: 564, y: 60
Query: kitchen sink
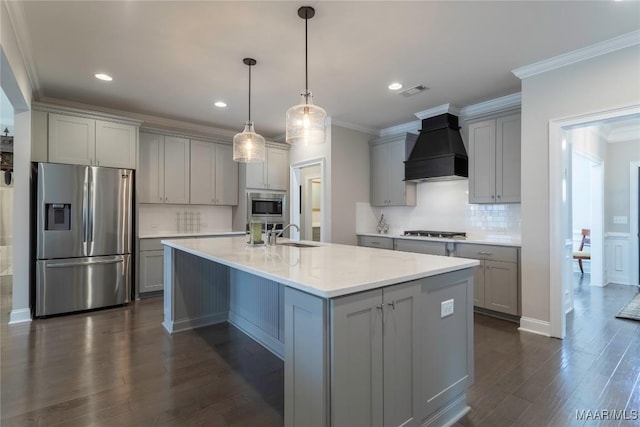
x: 297, y: 245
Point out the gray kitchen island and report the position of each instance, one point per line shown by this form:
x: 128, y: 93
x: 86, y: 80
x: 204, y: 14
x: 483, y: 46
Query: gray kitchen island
x: 369, y: 337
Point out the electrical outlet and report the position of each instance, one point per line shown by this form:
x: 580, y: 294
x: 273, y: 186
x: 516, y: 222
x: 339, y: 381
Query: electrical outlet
x: 446, y: 308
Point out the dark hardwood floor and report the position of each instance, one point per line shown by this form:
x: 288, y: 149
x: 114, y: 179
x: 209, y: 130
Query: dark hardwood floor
x: 118, y: 367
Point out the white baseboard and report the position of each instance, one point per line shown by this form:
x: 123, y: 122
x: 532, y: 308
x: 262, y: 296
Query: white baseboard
x: 21, y: 315
x: 535, y: 326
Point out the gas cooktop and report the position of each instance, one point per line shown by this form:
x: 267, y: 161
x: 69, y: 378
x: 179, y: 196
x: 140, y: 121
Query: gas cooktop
x: 441, y: 234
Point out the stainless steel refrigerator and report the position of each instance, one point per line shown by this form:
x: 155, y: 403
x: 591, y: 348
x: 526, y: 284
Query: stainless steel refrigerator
x: 83, y: 232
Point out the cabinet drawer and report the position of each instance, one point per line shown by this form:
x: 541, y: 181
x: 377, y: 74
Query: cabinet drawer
x: 422, y: 247
x: 150, y: 245
x: 375, y: 242
x: 495, y: 253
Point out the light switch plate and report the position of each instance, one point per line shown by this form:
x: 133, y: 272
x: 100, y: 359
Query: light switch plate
x: 446, y: 308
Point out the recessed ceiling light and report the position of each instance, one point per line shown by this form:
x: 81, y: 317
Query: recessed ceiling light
x: 102, y: 76
x: 395, y: 86
x: 220, y: 104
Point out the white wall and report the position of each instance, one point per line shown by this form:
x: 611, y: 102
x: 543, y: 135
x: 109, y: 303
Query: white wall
x: 616, y: 184
x: 597, y: 84
x: 349, y: 181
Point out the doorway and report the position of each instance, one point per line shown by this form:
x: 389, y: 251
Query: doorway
x: 561, y: 227
x: 307, y: 200
x: 6, y: 191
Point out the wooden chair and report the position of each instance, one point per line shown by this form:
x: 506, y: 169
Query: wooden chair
x: 581, y: 254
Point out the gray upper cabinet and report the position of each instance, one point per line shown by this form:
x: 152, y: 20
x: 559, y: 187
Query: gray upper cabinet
x: 163, y: 173
x: 214, y: 174
x: 273, y: 174
x: 387, y: 184
x: 87, y: 141
x: 494, y: 160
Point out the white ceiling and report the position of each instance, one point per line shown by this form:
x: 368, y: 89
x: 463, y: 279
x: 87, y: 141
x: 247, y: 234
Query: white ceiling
x: 172, y: 59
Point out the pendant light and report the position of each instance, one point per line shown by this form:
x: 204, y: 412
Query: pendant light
x: 248, y: 146
x: 305, y: 121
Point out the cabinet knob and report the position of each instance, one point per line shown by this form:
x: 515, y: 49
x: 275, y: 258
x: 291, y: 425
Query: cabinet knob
x: 499, y: 196
x: 493, y: 197
x: 379, y: 307
x: 392, y: 304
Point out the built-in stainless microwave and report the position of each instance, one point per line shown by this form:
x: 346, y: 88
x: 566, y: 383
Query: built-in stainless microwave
x: 270, y: 207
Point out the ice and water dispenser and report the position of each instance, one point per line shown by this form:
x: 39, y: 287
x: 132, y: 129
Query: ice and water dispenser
x: 58, y: 216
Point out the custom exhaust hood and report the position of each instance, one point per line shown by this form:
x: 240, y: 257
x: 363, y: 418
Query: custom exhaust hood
x: 438, y: 153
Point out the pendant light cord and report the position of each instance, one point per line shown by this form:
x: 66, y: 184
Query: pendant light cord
x: 249, y: 93
x: 306, y: 61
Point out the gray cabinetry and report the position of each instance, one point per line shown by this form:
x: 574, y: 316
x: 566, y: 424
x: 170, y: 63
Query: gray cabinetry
x: 388, y: 187
x: 421, y: 246
x: 494, y: 160
x: 496, y: 283
x: 83, y: 140
x: 214, y: 174
x: 151, y: 271
x: 163, y: 172
x: 381, y: 342
x: 379, y: 242
x: 272, y: 174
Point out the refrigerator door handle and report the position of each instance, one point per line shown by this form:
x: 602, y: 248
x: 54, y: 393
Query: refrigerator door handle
x: 91, y: 196
x: 85, y: 207
x: 53, y: 264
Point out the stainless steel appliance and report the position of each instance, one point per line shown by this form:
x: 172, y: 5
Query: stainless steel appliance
x: 83, y: 232
x: 440, y: 234
x: 269, y: 207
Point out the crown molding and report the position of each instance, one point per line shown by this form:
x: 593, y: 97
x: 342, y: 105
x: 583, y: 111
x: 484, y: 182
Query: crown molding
x: 412, y: 127
x: 607, y: 46
x: 436, y: 111
x: 353, y: 126
x: 81, y: 110
x: 503, y: 104
x: 147, y: 122
x: 19, y: 23
x: 628, y: 133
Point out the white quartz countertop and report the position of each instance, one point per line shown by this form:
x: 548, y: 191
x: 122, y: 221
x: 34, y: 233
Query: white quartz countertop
x: 497, y: 240
x: 328, y: 270
x: 165, y: 235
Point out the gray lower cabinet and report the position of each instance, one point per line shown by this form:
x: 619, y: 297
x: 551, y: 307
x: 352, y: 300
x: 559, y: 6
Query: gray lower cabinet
x: 421, y: 246
x: 379, y: 242
x: 151, y: 271
x: 393, y: 359
x: 496, y: 283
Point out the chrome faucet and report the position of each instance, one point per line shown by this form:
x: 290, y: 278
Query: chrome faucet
x: 272, y: 235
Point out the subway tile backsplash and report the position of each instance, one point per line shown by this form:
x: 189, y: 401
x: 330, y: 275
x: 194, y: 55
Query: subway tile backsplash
x: 444, y: 206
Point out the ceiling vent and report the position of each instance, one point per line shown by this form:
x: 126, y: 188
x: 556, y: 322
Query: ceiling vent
x: 413, y: 90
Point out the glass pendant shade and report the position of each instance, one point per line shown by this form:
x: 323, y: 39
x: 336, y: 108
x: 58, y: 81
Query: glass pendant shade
x: 248, y: 146
x: 306, y: 123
